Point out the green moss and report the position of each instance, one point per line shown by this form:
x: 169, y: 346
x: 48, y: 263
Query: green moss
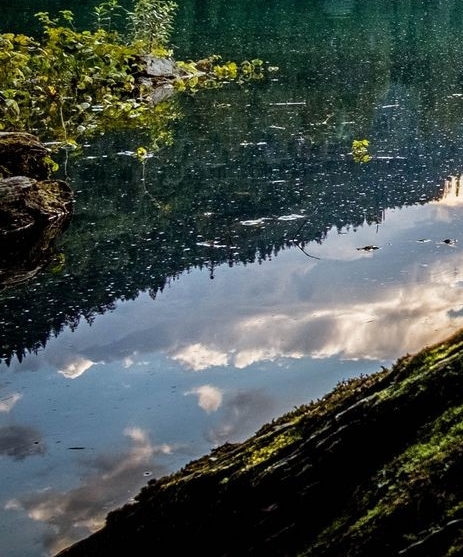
x: 269, y: 450
x: 409, y: 476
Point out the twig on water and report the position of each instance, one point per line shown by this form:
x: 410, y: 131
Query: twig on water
x: 298, y: 244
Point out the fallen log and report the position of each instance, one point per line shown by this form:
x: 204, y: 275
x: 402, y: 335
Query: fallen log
x: 373, y: 468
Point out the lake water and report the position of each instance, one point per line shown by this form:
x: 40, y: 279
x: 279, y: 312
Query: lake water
x: 256, y: 266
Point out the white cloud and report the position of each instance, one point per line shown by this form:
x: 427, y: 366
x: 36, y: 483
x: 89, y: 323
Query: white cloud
x: 199, y: 356
x: 209, y: 397
x: 8, y: 403
x: 76, y: 367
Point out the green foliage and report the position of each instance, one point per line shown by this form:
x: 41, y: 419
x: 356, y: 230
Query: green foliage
x: 360, y: 150
x: 210, y: 72
x: 71, y: 84
x: 151, y: 22
x: 105, y: 13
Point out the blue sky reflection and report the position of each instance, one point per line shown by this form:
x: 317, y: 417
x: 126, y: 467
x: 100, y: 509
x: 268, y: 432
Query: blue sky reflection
x: 210, y: 361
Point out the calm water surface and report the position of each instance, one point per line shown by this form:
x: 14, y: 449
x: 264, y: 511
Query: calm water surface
x: 232, y: 284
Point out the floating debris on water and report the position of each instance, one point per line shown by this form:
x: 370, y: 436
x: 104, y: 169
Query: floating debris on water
x: 368, y: 248
x: 254, y: 222
x: 211, y: 245
x: 302, y: 103
x: 291, y: 217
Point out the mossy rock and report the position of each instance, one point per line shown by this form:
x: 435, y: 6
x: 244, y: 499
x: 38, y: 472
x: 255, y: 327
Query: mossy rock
x: 28, y: 197
x: 22, y: 154
x: 373, y: 468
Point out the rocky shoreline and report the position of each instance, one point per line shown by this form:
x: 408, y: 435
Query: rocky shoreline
x: 35, y: 208
x: 373, y: 468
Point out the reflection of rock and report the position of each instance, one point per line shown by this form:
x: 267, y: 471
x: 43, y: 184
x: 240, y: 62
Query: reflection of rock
x: 162, y: 93
x: 26, y: 203
x: 373, y: 468
x: 159, y: 75
x: 22, y: 256
x: 32, y: 215
x: 34, y: 209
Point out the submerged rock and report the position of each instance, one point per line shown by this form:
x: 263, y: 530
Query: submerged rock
x: 373, y: 468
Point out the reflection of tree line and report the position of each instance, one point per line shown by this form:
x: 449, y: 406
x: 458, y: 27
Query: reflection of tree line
x: 113, y: 249
x: 453, y: 189
x: 119, y: 243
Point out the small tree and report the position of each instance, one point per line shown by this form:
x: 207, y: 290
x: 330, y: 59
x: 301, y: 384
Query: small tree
x: 151, y: 22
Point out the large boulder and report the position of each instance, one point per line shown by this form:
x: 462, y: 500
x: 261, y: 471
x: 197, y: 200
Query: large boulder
x: 34, y: 209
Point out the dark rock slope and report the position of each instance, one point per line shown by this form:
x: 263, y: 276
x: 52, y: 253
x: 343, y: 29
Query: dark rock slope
x: 375, y: 468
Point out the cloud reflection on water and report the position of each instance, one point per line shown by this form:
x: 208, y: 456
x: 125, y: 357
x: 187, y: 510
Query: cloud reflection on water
x: 348, y: 305
x: 291, y: 311
x: 209, y: 398
x: 75, y: 513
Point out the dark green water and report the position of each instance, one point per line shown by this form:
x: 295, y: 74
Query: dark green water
x: 148, y: 336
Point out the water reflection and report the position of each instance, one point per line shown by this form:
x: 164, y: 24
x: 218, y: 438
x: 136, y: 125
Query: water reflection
x: 105, y: 483
x: 338, y: 8
x: 18, y: 442
x: 294, y: 314
x: 128, y: 361
x: 194, y: 367
x: 453, y: 192
x: 234, y: 217
x: 255, y: 154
